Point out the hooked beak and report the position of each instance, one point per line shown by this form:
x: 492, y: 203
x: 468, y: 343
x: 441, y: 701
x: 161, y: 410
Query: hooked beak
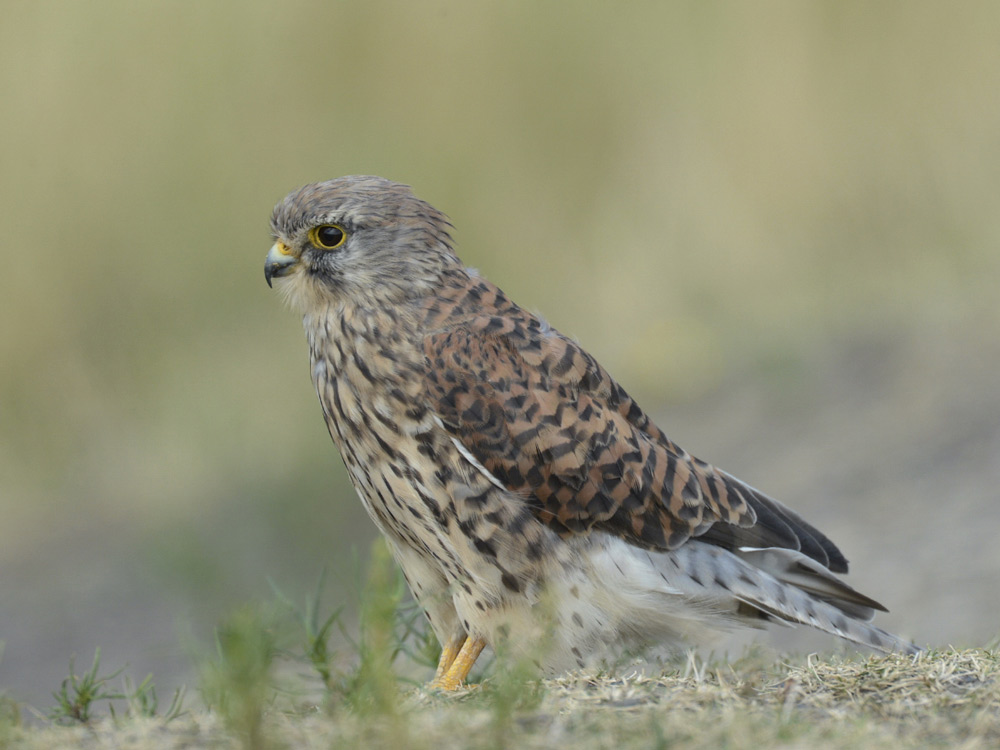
x: 280, y: 261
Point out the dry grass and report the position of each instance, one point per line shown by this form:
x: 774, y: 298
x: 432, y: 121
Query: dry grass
x: 947, y: 698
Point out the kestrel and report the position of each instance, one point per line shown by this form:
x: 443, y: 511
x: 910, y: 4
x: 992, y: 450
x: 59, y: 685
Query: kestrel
x: 522, y: 491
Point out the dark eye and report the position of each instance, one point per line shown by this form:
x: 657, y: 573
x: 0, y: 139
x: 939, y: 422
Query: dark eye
x: 327, y: 236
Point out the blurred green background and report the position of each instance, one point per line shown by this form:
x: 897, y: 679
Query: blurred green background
x: 777, y: 223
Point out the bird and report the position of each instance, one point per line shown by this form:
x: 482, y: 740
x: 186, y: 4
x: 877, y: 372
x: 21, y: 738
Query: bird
x: 524, y: 494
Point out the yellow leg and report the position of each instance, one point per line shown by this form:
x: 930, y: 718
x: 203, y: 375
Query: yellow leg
x: 448, y: 653
x: 454, y: 676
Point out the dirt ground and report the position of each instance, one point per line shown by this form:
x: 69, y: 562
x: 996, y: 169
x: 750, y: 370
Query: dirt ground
x: 938, y: 699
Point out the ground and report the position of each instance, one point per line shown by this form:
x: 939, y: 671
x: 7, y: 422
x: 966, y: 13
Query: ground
x: 943, y: 698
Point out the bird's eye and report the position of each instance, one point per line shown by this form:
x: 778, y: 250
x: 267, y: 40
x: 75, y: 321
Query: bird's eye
x: 327, y: 236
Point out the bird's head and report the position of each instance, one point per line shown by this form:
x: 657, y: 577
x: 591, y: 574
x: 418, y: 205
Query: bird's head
x: 357, y: 239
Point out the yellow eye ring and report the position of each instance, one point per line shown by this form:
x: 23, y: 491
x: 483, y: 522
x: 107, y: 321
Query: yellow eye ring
x: 327, y: 236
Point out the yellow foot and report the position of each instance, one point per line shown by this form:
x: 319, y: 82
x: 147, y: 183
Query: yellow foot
x: 448, y: 654
x: 452, y: 676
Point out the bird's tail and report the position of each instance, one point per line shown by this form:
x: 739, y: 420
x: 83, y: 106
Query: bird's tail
x: 783, y: 585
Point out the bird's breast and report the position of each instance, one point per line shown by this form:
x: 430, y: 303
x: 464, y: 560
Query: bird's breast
x: 416, y: 480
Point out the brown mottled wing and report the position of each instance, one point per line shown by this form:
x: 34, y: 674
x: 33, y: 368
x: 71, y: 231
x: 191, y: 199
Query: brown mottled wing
x: 549, y: 423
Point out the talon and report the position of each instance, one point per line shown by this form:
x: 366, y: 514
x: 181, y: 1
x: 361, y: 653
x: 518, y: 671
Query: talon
x: 452, y: 677
x: 448, y: 654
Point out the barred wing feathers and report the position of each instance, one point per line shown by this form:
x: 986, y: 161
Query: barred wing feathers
x: 551, y: 424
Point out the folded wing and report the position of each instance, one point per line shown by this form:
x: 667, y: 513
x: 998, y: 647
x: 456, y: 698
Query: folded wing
x: 549, y: 423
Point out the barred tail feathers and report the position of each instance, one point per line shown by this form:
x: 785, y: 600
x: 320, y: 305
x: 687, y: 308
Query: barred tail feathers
x: 777, y: 584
